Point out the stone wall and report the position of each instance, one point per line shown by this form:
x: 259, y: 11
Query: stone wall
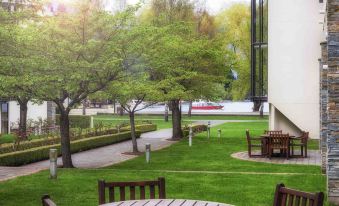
x: 333, y: 101
x: 323, y: 105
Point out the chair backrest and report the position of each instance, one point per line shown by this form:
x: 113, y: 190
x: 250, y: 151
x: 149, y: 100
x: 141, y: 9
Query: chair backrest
x: 248, y: 137
x: 46, y: 201
x: 304, y: 137
x: 269, y: 132
x: 286, y: 196
x: 279, y: 140
x: 113, y: 186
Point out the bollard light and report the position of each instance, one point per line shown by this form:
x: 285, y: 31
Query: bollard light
x: 209, y: 129
x: 148, y: 152
x: 219, y: 133
x: 53, y: 157
x: 190, y: 137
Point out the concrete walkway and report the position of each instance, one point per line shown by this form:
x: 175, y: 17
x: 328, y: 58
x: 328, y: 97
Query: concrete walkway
x: 107, y: 155
x: 95, y: 158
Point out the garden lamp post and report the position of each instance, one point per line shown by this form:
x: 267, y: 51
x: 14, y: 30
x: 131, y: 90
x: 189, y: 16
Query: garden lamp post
x: 190, y: 136
x: 209, y: 129
x: 148, y: 152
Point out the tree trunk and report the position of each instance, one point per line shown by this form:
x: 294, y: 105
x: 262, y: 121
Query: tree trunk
x: 176, y: 119
x: 84, y: 107
x: 166, y: 113
x: 65, y: 139
x: 23, y: 119
x: 256, y: 106
x: 190, y: 108
x: 133, y: 134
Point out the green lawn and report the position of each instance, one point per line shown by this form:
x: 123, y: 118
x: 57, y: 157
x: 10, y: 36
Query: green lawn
x: 159, y: 119
x: 206, y: 172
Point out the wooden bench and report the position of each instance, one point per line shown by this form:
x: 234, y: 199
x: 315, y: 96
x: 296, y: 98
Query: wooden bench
x: 112, y: 186
x: 285, y: 196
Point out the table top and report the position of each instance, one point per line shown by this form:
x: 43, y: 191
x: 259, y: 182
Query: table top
x: 165, y: 202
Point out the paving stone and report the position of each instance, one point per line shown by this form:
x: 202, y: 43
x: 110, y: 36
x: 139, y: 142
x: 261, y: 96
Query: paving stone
x: 313, y: 158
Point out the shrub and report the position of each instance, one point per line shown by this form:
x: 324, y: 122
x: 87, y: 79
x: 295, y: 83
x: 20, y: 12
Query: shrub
x: 41, y: 153
x: 195, y: 128
x: 77, y: 121
x: 85, y: 134
x: 142, y: 128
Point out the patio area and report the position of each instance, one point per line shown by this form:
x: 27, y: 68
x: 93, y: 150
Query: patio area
x: 313, y: 158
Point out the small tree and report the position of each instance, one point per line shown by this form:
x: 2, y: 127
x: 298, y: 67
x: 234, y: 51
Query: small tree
x: 84, y: 55
x: 135, y: 94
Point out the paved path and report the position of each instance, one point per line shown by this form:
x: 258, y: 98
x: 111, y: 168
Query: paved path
x: 314, y: 158
x: 109, y: 155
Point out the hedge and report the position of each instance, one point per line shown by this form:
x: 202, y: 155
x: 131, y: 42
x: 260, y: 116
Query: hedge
x: 195, y: 128
x: 41, y: 153
x: 76, y: 121
x: 142, y: 128
x: 56, y: 140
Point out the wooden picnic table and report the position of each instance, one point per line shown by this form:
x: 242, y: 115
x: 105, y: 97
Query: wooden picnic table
x: 165, y: 202
x: 266, y: 144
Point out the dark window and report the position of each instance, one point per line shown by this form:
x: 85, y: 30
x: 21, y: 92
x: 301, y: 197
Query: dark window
x: 259, y: 27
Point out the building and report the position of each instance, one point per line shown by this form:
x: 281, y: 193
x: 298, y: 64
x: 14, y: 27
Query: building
x: 10, y: 114
x: 296, y: 44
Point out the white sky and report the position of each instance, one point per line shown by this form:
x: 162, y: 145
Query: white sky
x: 213, y: 6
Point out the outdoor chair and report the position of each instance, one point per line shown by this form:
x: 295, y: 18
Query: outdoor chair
x: 269, y: 132
x: 281, y: 142
x: 258, y: 142
x: 285, y: 196
x: 46, y: 201
x: 300, y: 142
x: 114, y: 186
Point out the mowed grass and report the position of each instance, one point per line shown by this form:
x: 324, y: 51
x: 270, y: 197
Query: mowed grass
x: 204, y: 172
x: 161, y: 124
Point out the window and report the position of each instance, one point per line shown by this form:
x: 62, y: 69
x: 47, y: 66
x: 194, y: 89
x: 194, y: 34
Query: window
x: 259, y: 25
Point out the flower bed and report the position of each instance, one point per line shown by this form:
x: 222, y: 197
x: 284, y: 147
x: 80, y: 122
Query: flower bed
x: 195, y: 129
x: 41, y: 153
x: 56, y: 140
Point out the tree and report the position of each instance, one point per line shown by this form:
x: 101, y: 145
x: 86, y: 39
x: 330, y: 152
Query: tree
x: 185, y: 65
x: 134, y: 94
x: 83, y: 53
x: 136, y: 86
x: 16, y: 59
x: 183, y: 59
x: 234, y: 26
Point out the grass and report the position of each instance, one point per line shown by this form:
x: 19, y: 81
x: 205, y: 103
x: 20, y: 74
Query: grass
x: 206, y: 172
x: 161, y: 124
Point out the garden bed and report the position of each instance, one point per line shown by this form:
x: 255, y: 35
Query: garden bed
x: 25, y: 145
x: 41, y: 153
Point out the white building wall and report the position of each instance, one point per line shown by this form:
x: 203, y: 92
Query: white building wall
x: 35, y: 111
x: 294, y: 36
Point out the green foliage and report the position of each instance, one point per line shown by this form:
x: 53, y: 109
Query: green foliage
x: 77, y: 121
x: 41, y: 153
x: 195, y: 129
x: 88, y: 133
x: 234, y: 26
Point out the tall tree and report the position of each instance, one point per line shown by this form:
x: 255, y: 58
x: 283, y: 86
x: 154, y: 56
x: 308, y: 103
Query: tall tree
x: 234, y: 26
x: 16, y: 59
x: 84, y: 56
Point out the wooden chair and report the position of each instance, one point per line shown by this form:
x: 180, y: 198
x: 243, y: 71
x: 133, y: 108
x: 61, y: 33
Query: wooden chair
x: 46, y: 201
x: 260, y: 143
x: 286, y: 196
x: 281, y: 142
x: 112, y: 186
x: 300, y: 142
x: 269, y: 132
